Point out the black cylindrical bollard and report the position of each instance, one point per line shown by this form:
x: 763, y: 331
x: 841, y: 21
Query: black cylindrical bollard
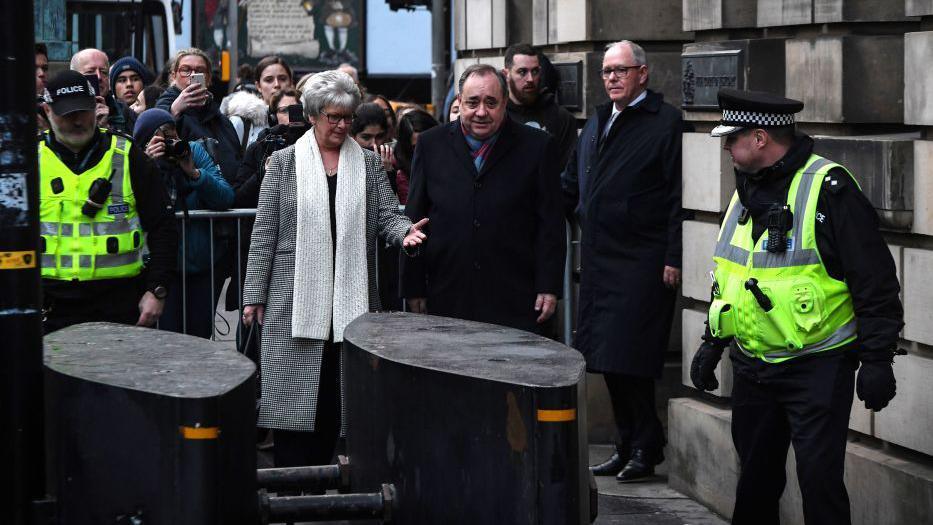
x: 321, y: 477
x: 21, y: 422
x: 376, y: 505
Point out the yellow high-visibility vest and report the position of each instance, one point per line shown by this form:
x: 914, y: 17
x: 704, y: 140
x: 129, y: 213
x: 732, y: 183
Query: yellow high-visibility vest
x: 812, y: 312
x: 76, y: 247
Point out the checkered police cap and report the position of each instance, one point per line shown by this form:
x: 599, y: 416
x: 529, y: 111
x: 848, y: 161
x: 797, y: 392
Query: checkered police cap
x: 754, y: 109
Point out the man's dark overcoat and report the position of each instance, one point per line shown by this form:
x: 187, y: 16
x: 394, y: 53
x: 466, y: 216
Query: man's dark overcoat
x: 495, y: 238
x: 626, y: 189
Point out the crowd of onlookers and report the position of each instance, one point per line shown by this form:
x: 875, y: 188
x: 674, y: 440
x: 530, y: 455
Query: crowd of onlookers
x: 212, y: 148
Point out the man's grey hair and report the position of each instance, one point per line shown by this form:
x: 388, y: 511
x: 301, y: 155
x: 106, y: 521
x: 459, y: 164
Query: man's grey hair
x: 329, y: 88
x: 77, y: 60
x: 350, y: 70
x: 638, y: 53
x: 483, y: 70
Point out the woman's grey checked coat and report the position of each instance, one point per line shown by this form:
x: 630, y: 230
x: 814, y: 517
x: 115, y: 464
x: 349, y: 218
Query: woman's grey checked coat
x: 291, y: 367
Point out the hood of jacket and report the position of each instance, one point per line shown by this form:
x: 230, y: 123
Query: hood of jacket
x: 246, y: 106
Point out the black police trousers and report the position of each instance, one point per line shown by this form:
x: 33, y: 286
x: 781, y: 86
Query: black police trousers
x: 119, y: 304
x: 805, y: 401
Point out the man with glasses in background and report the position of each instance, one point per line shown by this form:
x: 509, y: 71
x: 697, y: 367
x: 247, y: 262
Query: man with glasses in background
x: 623, y: 183
x: 491, y: 189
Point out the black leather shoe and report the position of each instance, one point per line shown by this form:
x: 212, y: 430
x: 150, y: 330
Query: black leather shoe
x: 640, y: 467
x: 614, y: 464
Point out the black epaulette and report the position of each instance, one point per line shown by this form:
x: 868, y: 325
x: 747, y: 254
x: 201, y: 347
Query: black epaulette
x: 119, y: 133
x: 836, y: 180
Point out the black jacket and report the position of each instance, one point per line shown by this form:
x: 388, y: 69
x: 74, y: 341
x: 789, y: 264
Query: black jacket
x: 847, y: 238
x: 495, y: 238
x: 122, y: 119
x: 207, y: 122
x: 155, y: 215
x: 251, y: 171
x: 546, y: 115
x: 626, y: 191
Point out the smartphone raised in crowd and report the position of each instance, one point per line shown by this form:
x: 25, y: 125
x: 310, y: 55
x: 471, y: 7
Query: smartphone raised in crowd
x: 95, y: 83
x: 296, y: 114
x: 197, y: 78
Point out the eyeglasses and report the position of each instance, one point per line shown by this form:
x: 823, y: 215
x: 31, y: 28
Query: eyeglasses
x: 186, y: 71
x: 334, y: 119
x: 620, y: 71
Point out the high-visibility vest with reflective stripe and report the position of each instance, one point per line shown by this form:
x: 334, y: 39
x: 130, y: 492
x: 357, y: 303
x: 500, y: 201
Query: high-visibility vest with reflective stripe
x: 78, y: 247
x: 812, y: 312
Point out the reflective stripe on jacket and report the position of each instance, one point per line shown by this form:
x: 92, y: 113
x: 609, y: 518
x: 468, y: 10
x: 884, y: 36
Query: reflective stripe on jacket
x: 812, y: 312
x: 81, y: 248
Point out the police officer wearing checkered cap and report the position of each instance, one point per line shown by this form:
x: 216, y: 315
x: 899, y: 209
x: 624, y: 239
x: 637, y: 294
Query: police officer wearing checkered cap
x: 806, y: 293
x: 101, y: 199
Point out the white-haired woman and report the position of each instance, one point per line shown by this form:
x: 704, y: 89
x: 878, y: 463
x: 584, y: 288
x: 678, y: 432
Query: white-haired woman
x: 311, y: 267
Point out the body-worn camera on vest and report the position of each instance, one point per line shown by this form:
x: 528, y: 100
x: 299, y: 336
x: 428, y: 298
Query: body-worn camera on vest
x: 96, y: 197
x: 780, y: 221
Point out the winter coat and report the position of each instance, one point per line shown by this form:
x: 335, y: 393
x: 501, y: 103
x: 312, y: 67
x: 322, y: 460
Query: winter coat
x: 243, y: 107
x: 291, y: 365
x: 626, y: 190
x: 206, y: 122
x: 495, y: 238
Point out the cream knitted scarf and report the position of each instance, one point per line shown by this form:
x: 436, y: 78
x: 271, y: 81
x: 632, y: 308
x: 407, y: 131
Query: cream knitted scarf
x: 329, y: 290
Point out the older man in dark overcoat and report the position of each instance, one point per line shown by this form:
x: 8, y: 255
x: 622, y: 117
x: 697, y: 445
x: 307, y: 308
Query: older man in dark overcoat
x: 624, y: 184
x: 491, y: 189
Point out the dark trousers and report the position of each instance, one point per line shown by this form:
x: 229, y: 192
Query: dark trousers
x: 118, y: 304
x: 296, y: 448
x: 805, y: 401
x: 636, y: 417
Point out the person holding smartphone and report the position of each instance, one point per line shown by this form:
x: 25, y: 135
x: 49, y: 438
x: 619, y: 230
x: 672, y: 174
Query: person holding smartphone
x: 195, y: 112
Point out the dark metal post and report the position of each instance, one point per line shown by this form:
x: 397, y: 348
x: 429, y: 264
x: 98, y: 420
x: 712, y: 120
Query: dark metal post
x: 21, y: 406
x: 376, y: 505
x: 440, y: 54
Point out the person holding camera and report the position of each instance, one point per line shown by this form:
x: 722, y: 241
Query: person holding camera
x: 193, y: 182
x: 99, y: 200
x: 290, y: 125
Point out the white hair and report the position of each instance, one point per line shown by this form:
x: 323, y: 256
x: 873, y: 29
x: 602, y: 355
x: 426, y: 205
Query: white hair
x: 77, y: 60
x: 350, y: 70
x: 329, y: 88
x: 638, y: 53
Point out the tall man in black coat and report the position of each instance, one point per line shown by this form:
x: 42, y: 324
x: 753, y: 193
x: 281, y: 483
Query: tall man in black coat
x: 491, y: 189
x: 623, y: 181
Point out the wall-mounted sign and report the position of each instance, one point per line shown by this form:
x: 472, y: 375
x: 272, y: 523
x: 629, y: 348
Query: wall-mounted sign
x: 705, y: 73
x: 570, y: 91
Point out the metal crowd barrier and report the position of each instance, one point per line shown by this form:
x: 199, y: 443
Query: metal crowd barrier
x: 250, y: 213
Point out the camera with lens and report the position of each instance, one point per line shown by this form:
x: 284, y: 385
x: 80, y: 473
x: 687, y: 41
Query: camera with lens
x: 177, y: 149
x: 273, y: 143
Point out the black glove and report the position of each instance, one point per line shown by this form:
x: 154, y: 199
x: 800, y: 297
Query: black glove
x: 703, y: 367
x: 876, y: 385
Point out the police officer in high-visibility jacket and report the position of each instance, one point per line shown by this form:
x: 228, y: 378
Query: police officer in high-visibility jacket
x: 805, y: 288
x: 101, y: 200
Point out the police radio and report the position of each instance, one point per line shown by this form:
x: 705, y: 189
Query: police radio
x: 96, y: 197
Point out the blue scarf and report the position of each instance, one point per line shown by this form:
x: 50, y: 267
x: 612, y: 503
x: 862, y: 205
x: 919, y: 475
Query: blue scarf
x: 480, y: 149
